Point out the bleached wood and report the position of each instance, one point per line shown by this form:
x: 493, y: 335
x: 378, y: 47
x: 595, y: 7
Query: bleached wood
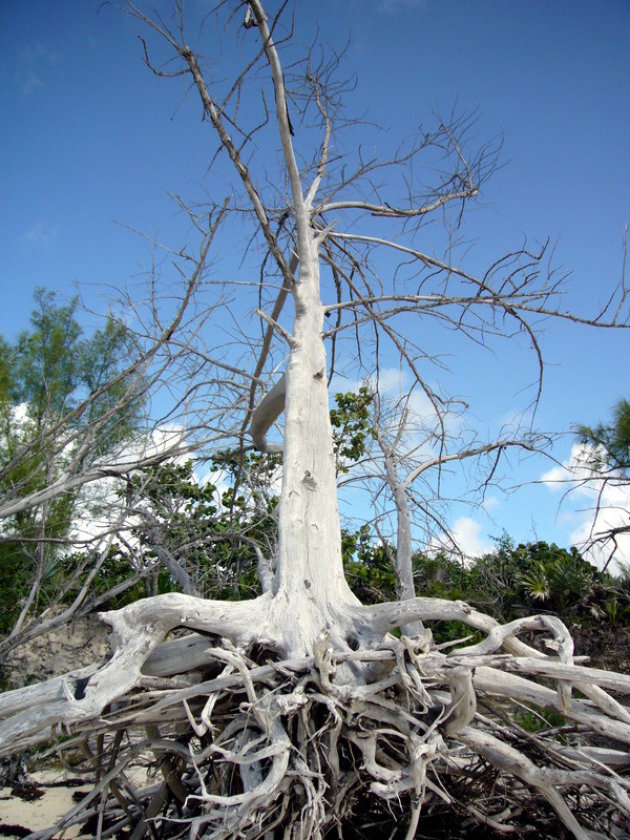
x: 137, y: 630
x: 265, y: 415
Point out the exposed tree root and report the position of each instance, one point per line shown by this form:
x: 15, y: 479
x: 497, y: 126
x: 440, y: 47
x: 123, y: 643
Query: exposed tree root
x: 378, y: 740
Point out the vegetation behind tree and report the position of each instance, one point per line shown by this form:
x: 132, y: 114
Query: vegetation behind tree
x: 45, y: 375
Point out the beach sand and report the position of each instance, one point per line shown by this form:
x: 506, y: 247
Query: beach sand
x: 34, y: 814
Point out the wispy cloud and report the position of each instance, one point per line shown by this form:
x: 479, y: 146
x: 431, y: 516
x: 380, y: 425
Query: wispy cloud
x: 33, y: 67
x: 41, y: 234
x: 491, y: 503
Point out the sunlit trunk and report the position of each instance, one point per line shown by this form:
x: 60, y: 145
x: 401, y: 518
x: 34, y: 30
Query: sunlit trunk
x: 310, y: 589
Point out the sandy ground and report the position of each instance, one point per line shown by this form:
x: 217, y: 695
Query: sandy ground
x: 58, y: 788
x: 43, y: 812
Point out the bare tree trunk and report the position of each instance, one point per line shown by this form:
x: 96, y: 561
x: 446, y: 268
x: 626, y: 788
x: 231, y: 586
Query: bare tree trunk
x: 405, y: 587
x: 403, y: 559
x: 309, y: 580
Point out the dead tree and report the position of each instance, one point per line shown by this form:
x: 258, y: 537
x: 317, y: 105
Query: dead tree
x: 298, y: 714
x: 415, y: 449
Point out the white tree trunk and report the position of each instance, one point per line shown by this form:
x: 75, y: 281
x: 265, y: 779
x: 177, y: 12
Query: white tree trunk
x: 403, y: 559
x: 311, y: 594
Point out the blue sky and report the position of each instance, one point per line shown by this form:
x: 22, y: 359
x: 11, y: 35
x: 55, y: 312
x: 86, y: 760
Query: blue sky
x: 93, y: 143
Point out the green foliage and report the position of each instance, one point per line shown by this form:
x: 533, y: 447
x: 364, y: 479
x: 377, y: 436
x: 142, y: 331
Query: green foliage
x: 438, y: 575
x: 212, y: 534
x: 607, y: 453
x: 46, y: 358
x: 509, y: 582
x: 610, y: 442
x: 535, y: 719
x: 368, y: 566
x: 54, y: 369
x: 59, y: 391
x: 57, y: 387
x: 14, y: 581
x: 215, y: 534
x: 560, y: 578
x: 119, y: 568
x: 517, y: 580
x: 6, y: 364
x: 351, y: 426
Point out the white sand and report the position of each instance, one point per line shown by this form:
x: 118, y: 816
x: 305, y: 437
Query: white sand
x: 44, y: 812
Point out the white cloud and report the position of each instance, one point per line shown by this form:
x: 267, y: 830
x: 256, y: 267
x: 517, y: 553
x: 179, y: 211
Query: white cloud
x: 592, y: 506
x: 20, y: 416
x: 99, y: 505
x: 217, y: 478
x: 395, y: 386
x: 162, y: 440
x: 468, y: 535
x: 390, y: 381
x: 577, y: 468
x: 397, y: 395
